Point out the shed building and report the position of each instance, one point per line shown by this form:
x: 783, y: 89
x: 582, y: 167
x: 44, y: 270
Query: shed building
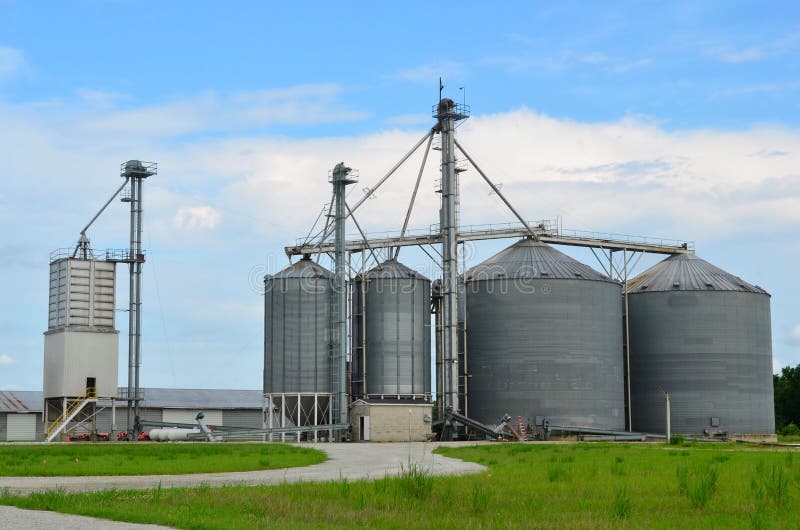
x: 21, y: 411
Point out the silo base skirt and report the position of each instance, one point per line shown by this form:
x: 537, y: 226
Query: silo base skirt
x: 298, y: 409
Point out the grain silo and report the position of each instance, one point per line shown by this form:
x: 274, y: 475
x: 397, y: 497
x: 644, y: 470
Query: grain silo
x: 392, y: 332
x: 297, y: 344
x: 391, y: 356
x: 704, y: 336
x: 544, y: 335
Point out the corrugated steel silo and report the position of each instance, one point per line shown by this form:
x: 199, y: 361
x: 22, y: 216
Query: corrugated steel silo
x: 297, y: 329
x: 393, y: 341
x: 704, y: 336
x: 544, y: 338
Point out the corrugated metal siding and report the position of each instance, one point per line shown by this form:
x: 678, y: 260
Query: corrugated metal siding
x: 20, y: 401
x: 189, y: 398
x: 712, y: 351
x: 39, y: 427
x: 297, y: 329
x: 544, y: 346
x: 398, y: 335
x: 242, y: 418
x: 103, y: 419
x: 21, y: 427
x: 213, y: 417
x: 148, y: 414
x: 81, y: 293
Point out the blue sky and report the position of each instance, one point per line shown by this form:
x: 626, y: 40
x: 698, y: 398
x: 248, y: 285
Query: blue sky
x: 667, y: 119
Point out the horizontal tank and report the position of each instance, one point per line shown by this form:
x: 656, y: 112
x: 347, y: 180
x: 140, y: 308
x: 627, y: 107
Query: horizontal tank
x: 297, y: 329
x: 544, y: 338
x: 704, y: 336
x: 391, y: 332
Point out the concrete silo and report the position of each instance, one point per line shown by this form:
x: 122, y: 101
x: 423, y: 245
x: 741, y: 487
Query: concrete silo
x: 544, y: 338
x: 704, y: 336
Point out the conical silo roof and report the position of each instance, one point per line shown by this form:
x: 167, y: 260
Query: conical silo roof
x: 687, y: 272
x: 393, y: 269
x: 532, y: 259
x: 305, y: 268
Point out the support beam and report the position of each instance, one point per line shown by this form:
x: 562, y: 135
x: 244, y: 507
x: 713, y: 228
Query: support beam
x: 414, y: 193
x: 544, y: 231
x: 383, y: 179
x: 497, y: 191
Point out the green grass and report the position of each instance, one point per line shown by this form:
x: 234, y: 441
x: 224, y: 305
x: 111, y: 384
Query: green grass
x: 79, y: 459
x: 596, y: 486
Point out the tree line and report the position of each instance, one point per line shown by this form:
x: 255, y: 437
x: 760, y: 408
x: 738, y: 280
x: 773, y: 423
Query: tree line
x: 787, y: 400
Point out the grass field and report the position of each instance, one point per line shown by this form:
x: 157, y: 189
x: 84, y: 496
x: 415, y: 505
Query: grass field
x: 79, y: 459
x: 526, y: 486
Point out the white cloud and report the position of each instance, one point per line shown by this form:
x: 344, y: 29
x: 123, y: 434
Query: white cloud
x: 558, y: 62
x: 756, y: 52
x: 6, y: 360
x: 794, y: 337
x: 431, y: 72
x: 97, y: 116
x: 101, y: 98
x: 409, y: 120
x: 12, y: 62
x: 196, y: 217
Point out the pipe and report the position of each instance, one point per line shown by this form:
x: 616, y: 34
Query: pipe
x: 669, y: 426
x: 374, y: 188
x: 414, y: 194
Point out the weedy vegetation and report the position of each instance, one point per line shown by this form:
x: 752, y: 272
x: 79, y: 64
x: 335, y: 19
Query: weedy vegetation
x: 524, y: 486
x: 83, y: 459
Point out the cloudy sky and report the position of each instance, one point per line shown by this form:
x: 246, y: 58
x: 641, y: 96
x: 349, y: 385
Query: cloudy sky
x: 675, y: 120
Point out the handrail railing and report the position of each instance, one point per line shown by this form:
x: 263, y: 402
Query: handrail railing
x: 78, y: 402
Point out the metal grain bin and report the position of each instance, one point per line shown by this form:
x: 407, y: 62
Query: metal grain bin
x: 704, y: 336
x: 297, y: 329
x: 544, y: 338
x: 392, y: 332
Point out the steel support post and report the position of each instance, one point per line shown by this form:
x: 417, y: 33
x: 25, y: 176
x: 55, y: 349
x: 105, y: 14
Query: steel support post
x: 132, y: 307
x: 138, y: 281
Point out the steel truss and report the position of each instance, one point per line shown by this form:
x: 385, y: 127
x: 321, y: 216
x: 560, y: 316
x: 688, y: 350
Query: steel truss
x: 448, y: 234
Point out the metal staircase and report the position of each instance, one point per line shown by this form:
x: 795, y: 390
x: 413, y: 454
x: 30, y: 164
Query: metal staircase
x: 69, y: 414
